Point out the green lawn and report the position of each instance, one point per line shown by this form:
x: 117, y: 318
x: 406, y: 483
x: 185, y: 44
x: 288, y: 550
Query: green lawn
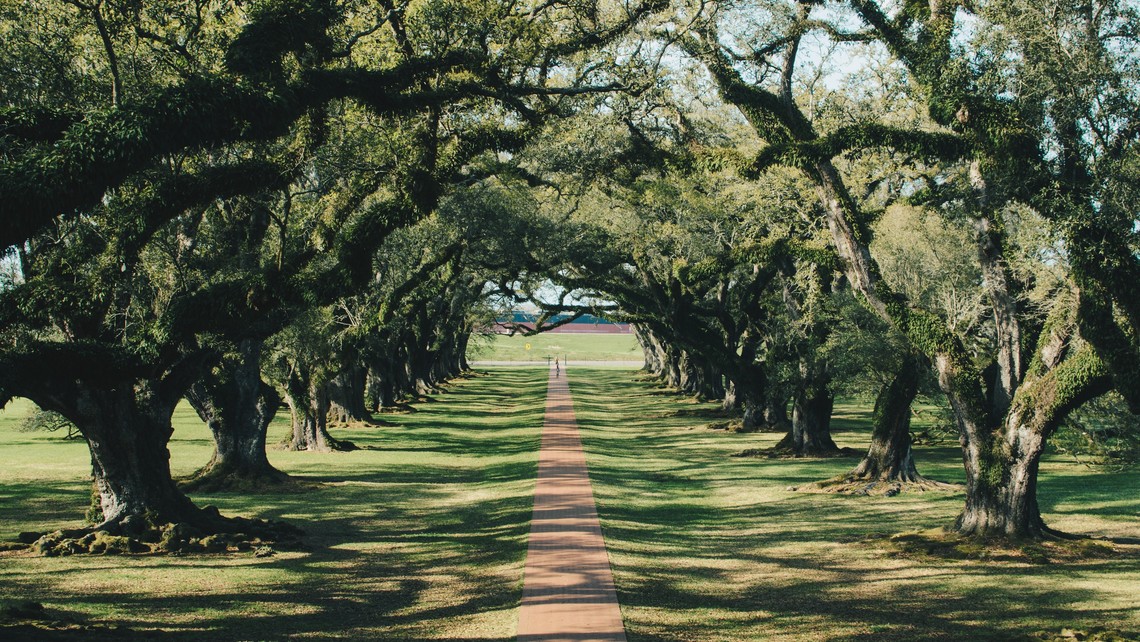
x: 706, y: 546
x: 421, y: 534
x: 576, y: 347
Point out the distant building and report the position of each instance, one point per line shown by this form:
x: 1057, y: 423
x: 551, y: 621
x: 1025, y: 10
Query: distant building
x: 585, y: 324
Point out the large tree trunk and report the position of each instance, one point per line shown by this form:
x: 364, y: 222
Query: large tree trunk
x: 811, y: 425
x: 888, y: 467
x: 776, y: 412
x: 672, y: 366
x: 128, y: 429
x: 810, y: 435
x: 381, y: 385
x: 1001, y: 497
x: 127, y: 426
x: 309, y: 406
x: 751, y: 395
x: 730, y: 401
x: 650, y: 349
x: 749, y: 382
x: 889, y: 458
x: 692, y: 375
x: 346, y: 396
x: 238, y: 407
x: 463, y: 342
x: 1002, y: 465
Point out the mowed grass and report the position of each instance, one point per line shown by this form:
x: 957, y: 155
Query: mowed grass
x: 706, y: 546
x: 547, y: 346
x: 422, y: 534
x: 419, y: 535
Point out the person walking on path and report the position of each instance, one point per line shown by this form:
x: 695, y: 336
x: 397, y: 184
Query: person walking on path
x: 557, y: 369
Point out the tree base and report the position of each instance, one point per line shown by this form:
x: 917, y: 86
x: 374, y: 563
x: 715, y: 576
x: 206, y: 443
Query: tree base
x: 397, y: 408
x: 333, y: 446
x: 141, y: 534
x: 783, y: 452
x: 948, y: 545
x: 225, y: 479
x: 853, y: 485
x: 360, y: 424
x: 737, y: 426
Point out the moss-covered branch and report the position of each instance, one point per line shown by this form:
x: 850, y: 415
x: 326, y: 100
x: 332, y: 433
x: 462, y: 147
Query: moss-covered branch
x: 864, y: 136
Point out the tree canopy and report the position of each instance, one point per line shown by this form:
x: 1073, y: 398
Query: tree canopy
x: 318, y: 202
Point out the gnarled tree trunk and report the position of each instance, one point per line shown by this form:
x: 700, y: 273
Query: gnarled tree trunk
x: 1002, y: 465
x: 346, y: 396
x: 888, y: 467
x: 127, y: 429
x: 238, y: 407
x: 1002, y: 490
x: 308, y: 401
x: 810, y: 435
x: 730, y: 401
x: 811, y: 425
x: 889, y: 458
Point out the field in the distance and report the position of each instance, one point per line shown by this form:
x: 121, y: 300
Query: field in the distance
x: 575, y: 347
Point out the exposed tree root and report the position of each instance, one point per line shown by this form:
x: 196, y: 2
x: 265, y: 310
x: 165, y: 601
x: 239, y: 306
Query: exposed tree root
x: 1096, y: 634
x: 781, y: 452
x: 332, y: 445
x: 848, y: 484
x: 737, y: 426
x: 216, y: 480
x: 397, y: 408
x: 949, y: 545
x: 360, y: 424
x: 203, y: 532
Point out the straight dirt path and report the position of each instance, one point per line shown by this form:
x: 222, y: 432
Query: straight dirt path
x: 568, y: 589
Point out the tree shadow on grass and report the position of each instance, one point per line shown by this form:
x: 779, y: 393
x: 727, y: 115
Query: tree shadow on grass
x: 688, y: 547
x: 395, y: 550
x: 356, y: 581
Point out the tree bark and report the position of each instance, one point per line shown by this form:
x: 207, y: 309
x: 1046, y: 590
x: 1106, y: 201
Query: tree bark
x: 346, y: 396
x: 810, y: 435
x: 730, y: 401
x: 128, y: 429
x: 751, y: 411
x: 811, y: 425
x: 650, y: 349
x: 776, y: 412
x: 464, y: 341
x: 238, y: 407
x: 889, y: 458
x: 307, y: 398
x: 1001, y: 476
x: 1001, y: 498
x: 381, y: 386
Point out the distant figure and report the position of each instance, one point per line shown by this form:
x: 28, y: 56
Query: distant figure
x: 557, y: 369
